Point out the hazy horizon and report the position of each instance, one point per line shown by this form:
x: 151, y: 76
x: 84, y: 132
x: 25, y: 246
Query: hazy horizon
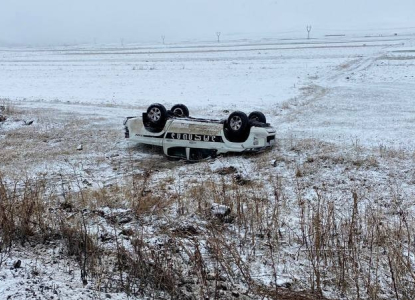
x: 62, y: 22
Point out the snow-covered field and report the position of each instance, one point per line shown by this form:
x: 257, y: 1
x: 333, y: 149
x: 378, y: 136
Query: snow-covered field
x: 344, y: 113
x: 355, y: 81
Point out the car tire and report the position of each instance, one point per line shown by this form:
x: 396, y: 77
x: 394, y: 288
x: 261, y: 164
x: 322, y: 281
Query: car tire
x: 238, y: 123
x: 156, y: 114
x: 180, y: 110
x: 257, y: 116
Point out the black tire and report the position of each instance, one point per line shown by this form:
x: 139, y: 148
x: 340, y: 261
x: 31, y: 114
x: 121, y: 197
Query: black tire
x: 180, y: 110
x: 238, y: 123
x: 157, y: 114
x: 257, y: 116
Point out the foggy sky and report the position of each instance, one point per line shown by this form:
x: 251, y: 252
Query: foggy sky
x: 80, y: 21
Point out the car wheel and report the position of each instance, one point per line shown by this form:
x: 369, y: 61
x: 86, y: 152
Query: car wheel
x: 180, y: 110
x: 237, y: 123
x: 257, y: 116
x: 156, y: 114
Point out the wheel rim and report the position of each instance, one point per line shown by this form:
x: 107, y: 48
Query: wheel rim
x: 178, y: 112
x: 235, y: 123
x: 154, y: 114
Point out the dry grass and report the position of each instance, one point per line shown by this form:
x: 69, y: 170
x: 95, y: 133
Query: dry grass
x: 339, y: 241
x: 52, y: 140
x: 7, y: 107
x: 329, y: 218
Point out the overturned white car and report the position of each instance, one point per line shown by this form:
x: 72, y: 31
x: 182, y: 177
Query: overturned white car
x: 182, y: 136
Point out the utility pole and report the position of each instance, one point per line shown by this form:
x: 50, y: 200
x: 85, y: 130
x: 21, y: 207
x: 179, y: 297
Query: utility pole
x: 163, y: 38
x: 218, y: 35
x: 308, y: 31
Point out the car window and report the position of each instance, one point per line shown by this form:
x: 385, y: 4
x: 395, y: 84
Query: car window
x: 196, y: 154
x: 177, y: 152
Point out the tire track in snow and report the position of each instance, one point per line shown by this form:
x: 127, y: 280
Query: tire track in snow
x: 317, y: 90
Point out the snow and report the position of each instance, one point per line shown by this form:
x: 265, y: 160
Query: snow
x: 45, y: 274
x: 343, y: 102
x: 210, y: 78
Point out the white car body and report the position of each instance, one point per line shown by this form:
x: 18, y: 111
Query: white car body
x: 193, y: 138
